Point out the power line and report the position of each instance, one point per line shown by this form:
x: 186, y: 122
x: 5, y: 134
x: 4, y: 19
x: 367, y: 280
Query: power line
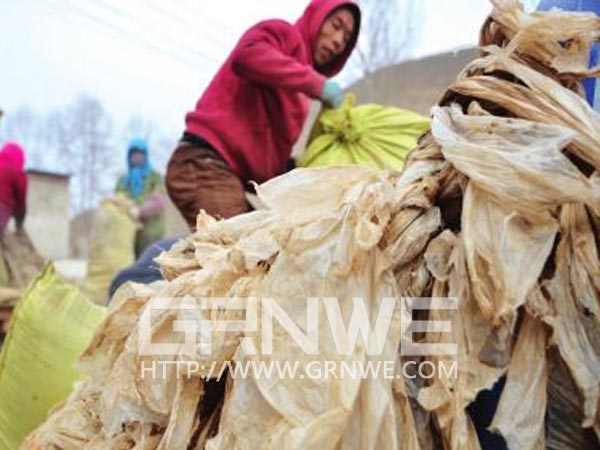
x: 106, y: 6
x: 128, y: 17
x: 102, y: 28
x: 44, y: 11
x: 180, y: 20
x: 83, y: 18
x: 215, y: 24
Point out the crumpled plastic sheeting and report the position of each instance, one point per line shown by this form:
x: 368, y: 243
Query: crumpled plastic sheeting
x: 325, y: 251
x: 565, y: 411
x: 497, y: 207
x: 506, y: 252
x: 570, y: 334
x: 543, y: 36
x: 527, y: 382
x: 334, y: 256
x: 516, y: 161
x: 541, y: 99
x: 449, y: 397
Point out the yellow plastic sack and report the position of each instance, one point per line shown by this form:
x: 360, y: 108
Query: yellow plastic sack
x: 369, y: 135
x: 52, y: 324
x: 23, y: 263
x: 111, y: 248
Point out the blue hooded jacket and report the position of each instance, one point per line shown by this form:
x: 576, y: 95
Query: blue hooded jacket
x: 133, y: 181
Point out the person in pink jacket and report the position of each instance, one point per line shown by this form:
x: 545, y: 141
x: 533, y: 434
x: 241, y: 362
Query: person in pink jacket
x: 245, y: 124
x: 13, y: 186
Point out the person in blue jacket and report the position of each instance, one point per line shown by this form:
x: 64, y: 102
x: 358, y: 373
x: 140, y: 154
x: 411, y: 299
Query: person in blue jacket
x: 146, y: 188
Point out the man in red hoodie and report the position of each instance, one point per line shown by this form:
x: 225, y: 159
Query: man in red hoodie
x: 13, y: 185
x: 246, y: 123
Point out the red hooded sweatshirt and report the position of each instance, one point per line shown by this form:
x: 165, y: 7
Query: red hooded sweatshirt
x: 254, y: 109
x: 13, y: 182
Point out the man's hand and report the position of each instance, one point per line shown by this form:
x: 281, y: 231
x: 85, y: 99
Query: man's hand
x: 333, y: 94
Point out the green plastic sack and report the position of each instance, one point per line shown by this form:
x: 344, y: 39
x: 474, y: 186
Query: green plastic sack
x: 51, y: 326
x: 369, y: 135
x: 111, y: 247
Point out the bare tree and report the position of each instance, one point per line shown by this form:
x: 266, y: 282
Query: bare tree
x: 139, y: 127
x: 388, y: 34
x: 162, y: 147
x: 23, y: 126
x: 62, y: 137
x: 79, y: 139
x: 93, y: 156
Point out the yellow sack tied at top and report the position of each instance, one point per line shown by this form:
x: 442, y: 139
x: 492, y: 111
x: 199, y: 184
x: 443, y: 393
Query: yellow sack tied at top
x: 52, y: 324
x: 372, y: 135
x: 111, y: 247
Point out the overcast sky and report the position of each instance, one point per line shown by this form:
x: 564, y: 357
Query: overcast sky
x: 154, y: 57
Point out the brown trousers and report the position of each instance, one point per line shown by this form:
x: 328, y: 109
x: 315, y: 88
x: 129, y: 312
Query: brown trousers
x: 199, y: 179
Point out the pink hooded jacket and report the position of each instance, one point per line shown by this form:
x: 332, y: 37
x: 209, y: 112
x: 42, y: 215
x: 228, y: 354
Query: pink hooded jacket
x: 253, y: 111
x: 13, y: 182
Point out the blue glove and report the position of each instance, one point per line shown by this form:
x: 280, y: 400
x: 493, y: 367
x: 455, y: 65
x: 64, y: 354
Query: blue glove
x: 333, y: 94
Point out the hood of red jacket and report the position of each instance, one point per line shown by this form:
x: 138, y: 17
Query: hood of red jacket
x: 310, y: 26
x: 12, y: 156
